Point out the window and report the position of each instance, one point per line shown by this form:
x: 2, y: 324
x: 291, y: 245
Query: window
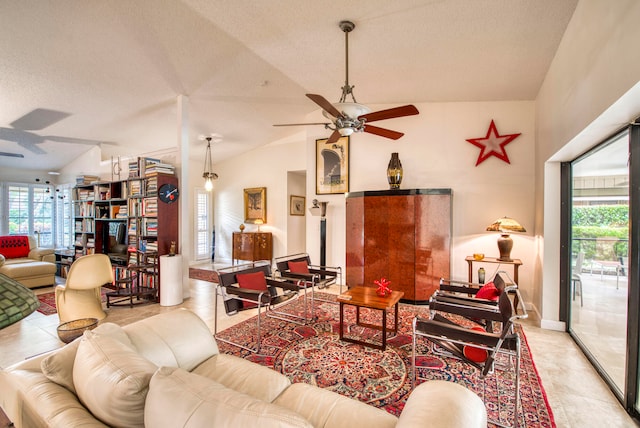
x: 18, y: 201
x: 203, y: 248
x: 64, y: 216
x: 29, y: 209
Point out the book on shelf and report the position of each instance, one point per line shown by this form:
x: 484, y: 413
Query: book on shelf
x: 86, y: 179
x: 138, y: 167
x: 123, y: 212
x: 150, y: 207
x: 162, y: 168
x: 135, y: 187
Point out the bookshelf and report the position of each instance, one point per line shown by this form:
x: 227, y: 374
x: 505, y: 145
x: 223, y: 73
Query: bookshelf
x: 150, y: 226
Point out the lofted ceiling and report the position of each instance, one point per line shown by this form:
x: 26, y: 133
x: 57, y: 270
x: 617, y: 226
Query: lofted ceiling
x: 75, y: 73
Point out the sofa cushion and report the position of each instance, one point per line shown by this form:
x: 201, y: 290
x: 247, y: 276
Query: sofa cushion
x: 112, y: 380
x: 328, y: 409
x: 58, y: 367
x: 14, y: 246
x: 178, y: 398
x: 244, y: 376
x: 2, y: 259
x: 177, y: 338
x: 443, y: 404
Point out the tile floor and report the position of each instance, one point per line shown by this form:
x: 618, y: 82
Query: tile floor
x: 577, y: 395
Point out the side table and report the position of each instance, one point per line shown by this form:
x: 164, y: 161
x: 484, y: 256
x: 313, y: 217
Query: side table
x: 516, y: 263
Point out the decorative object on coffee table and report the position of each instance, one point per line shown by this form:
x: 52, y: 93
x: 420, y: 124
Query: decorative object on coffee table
x: 383, y: 287
x: 71, y: 330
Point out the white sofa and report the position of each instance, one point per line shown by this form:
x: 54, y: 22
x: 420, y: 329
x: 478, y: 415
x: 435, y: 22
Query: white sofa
x: 166, y: 371
x: 34, y: 267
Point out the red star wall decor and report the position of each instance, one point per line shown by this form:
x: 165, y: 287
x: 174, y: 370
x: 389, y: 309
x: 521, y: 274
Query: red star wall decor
x: 493, y: 144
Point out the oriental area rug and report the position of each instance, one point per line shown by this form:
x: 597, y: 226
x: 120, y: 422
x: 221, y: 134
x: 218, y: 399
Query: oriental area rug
x: 313, y: 353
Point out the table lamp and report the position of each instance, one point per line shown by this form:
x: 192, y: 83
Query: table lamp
x: 259, y: 222
x: 505, y: 226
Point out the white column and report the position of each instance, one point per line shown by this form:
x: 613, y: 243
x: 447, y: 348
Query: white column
x: 186, y: 219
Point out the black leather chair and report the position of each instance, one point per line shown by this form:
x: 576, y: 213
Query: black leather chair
x: 449, y: 335
x: 276, y: 291
x: 298, y: 267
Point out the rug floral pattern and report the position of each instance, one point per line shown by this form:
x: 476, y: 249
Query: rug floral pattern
x: 313, y: 353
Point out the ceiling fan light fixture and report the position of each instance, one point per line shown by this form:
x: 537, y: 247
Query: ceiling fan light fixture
x: 350, y: 110
x: 345, y: 132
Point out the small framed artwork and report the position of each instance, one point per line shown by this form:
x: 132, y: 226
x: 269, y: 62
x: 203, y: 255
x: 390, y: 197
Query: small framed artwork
x: 332, y: 166
x: 255, y: 205
x: 296, y: 205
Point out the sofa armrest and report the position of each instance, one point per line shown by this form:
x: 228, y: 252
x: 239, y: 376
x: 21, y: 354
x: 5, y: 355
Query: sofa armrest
x: 424, y: 408
x: 42, y: 254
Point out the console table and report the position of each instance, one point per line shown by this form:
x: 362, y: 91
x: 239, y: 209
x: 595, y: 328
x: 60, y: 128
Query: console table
x: 516, y: 263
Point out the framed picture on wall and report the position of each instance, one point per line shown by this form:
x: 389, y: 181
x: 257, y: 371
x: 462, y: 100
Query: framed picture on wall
x: 296, y: 205
x: 332, y: 166
x: 255, y: 205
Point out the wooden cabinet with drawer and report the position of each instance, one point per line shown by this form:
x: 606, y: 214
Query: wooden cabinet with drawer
x: 252, y: 246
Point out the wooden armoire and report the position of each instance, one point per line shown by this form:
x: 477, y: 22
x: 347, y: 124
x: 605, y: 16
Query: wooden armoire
x: 401, y: 235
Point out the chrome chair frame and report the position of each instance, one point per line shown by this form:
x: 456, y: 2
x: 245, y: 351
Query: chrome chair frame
x: 447, y: 335
x: 318, y: 277
x: 228, y: 287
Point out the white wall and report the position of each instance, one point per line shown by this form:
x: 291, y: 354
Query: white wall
x: 296, y: 225
x: 434, y: 154
x: 590, y: 91
x: 267, y: 166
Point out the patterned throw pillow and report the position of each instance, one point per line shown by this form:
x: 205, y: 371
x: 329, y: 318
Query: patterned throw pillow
x: 13, y: 247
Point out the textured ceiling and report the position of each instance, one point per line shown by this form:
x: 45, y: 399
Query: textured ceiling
x: 76, y: 73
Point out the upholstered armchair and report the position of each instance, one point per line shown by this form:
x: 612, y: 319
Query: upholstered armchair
x: 80, y: 297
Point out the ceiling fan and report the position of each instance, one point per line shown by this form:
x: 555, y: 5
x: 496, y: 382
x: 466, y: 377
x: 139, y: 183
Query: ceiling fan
x: 349, y: 117
x: 21, y: 132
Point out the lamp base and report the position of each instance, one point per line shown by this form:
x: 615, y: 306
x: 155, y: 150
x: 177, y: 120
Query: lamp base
x: 505, y: 244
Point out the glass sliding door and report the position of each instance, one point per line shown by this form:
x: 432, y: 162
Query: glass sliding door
x: 599, y: 285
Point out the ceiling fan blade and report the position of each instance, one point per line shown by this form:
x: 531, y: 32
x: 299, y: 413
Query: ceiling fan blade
x: 326, y: 105
x: 335, y: 136
x: 71, y: 140
x: 408, y: 110
x: 12, y: 155
x: 38, y: 119
x: 300, y: 124
x: 387, y: 133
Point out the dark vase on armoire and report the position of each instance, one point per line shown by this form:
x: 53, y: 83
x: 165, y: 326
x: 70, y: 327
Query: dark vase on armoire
x: 394, y: 172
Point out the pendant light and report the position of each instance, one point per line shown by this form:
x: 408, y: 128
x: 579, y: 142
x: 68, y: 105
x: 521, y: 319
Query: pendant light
x: 208, y: 173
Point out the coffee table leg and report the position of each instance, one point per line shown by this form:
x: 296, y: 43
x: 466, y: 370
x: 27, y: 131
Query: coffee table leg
x: 396, y: 320
x: 384, y: 329
x: 341, y: 320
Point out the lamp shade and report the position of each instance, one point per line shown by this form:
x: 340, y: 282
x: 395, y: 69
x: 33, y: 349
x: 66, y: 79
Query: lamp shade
x: 505, y: 225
